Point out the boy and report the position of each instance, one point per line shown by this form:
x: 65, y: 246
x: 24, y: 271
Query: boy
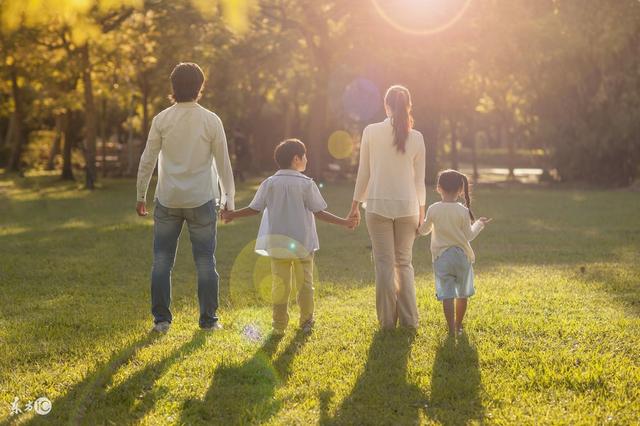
x: 189, y: 140
x: 289, y: 201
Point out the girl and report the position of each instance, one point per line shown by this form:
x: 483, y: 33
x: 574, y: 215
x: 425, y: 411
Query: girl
x: 449, y: 223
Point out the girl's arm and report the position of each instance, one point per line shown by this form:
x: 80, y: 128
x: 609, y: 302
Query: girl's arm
x: 472, y: 231
x: 325, y: 216
x: 427, y: 226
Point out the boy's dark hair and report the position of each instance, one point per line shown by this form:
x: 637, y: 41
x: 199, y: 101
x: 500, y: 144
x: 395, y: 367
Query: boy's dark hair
x: 452, y: 181
x: 187, y: 81
x: 286, y: 150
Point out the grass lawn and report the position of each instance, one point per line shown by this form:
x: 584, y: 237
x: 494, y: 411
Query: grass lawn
x: 552, y: 333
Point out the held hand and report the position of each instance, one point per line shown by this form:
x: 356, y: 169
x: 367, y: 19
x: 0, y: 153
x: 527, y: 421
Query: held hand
x: 226, y: 215
x: 351, y: 223
x: 141, y: 208
x: 485, y: 220
x: 355, y: 215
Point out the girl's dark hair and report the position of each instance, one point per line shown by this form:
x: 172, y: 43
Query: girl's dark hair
x: 286, y: 150
x: 398, y: 100
x: 187, y: 81
x: 452, y: 181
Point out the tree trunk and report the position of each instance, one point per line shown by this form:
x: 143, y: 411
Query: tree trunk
x: 131, y: 160
x: 507, y: 140
x: 474, y: 157
x: 90, y: 120
x: 18, y: 129
x: 55, y: 147
x: 103, y: 135
x: 69, y: 138
x: 8, y: 137
x: 453, y: 126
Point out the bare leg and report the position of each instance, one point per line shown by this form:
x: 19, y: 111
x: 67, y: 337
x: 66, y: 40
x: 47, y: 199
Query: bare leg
x: 461, y: 308
x: 447, y: 306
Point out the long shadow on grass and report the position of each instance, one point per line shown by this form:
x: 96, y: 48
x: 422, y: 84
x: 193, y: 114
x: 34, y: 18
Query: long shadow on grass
x: 72, y: 407
x: 455, y: 383
x: 382, y: 394
x: 244, y: 393
x: 137, y: 395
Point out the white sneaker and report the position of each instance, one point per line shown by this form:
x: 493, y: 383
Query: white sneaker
x: 161, y: 327
x: 213, y: 327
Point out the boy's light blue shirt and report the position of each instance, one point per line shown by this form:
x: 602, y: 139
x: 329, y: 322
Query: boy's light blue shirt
x: 288, y: 200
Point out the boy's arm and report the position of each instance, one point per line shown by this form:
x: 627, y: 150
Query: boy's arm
x: 245, y: 212
x: 325, y: 216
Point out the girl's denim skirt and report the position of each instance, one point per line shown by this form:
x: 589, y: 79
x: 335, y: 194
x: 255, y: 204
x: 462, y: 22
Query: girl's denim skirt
x: 454, y: 275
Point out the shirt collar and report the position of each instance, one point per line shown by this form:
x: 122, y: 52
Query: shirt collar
x: 289, y: 172
x: 190, y: 104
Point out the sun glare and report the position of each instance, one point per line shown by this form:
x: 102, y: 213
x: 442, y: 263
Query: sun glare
x: 421, y: 17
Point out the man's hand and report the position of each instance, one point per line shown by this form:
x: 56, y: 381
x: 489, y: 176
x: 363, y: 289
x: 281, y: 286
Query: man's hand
x: 225, y: 214
x: 141, y: 208
x: 485, y: 220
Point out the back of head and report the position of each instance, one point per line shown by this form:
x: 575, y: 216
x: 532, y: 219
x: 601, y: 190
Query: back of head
x: 286, y: 150
x: 398, y: 102
x: 187, y: 81
x: 452, y: 181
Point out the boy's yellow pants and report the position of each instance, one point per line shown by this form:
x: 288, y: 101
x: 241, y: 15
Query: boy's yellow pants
x: 284, y: 273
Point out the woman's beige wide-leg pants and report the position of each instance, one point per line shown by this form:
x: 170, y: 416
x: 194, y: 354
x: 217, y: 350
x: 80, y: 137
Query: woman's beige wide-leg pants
x: 392, y: 242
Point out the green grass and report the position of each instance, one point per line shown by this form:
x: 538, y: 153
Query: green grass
x: 552, y: 333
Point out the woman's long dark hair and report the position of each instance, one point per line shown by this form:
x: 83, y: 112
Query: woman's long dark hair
x: 398, y: 100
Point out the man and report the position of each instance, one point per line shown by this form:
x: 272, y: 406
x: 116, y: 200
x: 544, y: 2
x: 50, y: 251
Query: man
x: 191, y: 145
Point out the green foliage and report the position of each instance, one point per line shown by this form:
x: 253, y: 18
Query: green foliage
x: 559, y: 76
x: 551, y: 333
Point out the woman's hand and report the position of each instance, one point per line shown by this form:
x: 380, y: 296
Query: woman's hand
x: 421, y: 217
x: 354, y: 214
x: 485, y: 220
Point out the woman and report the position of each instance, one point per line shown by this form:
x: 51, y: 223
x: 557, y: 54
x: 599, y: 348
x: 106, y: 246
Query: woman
x: 391, y: 185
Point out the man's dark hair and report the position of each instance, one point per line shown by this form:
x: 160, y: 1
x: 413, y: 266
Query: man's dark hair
x: 286, y: 150
x: 187, y: 80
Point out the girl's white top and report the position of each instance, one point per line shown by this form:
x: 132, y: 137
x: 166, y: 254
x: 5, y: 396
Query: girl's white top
x: 450, y: 226
x: 190, y: 143
x: 391, y: 183
x: 288, y: 200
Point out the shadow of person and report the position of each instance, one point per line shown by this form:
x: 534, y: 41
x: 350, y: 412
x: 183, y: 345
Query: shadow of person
x: 139, y: 393
x: 455, y: 383
x: 381, y: 394
x: 72, y: 407
x: 244, y: 393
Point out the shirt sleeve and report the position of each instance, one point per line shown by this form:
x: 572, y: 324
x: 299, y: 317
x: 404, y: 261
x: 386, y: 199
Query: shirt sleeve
x: 427, y: 226
x: 148, y: 160
x: 259, y: 202
x: 223, y: 166
x: 313, y: 199
x: 419, y: 172
x: 362, y: 181
x: 471, y: 231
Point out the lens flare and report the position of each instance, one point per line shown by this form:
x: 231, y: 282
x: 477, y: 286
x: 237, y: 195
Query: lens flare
x: 361, y: 99
x: 421, y: 17
x: 340, y: 145
x: 251, y: 281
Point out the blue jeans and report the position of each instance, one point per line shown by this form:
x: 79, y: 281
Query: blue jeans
x: 167, y: 225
